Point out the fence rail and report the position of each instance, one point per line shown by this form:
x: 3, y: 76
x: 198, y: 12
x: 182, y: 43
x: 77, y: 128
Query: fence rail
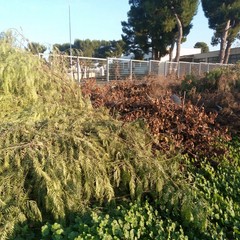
x: 81, y: 68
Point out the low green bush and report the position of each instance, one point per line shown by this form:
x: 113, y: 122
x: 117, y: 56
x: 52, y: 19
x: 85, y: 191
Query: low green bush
x: 209, y: 82
x: 137, y: 221
x: 224, y: 79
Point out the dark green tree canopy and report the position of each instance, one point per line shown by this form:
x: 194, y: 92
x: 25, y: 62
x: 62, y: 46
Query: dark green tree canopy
x: 155, y: 25
x: 224, y: 18
x: 136, y: 34
x: 204, y: 47
x: 36, y: 48
x: 109, y: 49
x: 93, y: 48
x: 64, y: 48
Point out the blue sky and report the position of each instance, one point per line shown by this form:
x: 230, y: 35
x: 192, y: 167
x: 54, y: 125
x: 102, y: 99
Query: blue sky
x: 47, y: 21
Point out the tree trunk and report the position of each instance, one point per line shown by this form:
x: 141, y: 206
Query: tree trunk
x: 155, y: 54
x: 223, y: 42
x: 171, y: 51
x: 227, y: 52
x: 179, y: 39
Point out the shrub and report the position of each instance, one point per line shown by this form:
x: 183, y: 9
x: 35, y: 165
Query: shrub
x: 218, y: 92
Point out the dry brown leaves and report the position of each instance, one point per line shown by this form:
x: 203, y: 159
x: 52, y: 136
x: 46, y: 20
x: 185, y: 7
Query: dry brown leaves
x: 184, y: 126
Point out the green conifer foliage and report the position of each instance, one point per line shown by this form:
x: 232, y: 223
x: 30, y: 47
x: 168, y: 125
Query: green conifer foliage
x: 57, y: 153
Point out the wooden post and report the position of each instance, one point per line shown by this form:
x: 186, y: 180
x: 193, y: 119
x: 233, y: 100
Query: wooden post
x: 107, y: 70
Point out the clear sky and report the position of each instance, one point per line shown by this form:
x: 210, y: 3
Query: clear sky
x: 47, y: 21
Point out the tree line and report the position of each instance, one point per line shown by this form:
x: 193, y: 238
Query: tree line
x: 84, y: 48
x: 157, y: 27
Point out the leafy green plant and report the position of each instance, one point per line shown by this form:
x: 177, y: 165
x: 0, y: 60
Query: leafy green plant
x: 219, y: 186
x: 135, y: 221
x: 189, y: 82
x: 210, y: 82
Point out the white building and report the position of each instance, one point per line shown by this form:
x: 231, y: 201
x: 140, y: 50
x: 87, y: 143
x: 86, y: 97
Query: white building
x: 183, y: 52
x: 211, y: 57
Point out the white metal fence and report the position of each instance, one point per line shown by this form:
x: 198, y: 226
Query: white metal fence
x: 81, y: 68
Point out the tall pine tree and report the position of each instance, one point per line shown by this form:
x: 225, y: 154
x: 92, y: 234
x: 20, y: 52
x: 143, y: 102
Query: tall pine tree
x: 224, y: 18
x: 158, y: 25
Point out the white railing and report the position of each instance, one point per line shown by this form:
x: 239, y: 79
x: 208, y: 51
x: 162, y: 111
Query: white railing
x: 120, y: 69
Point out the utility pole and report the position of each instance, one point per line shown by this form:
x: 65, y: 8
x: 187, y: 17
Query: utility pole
x: 70, y: 34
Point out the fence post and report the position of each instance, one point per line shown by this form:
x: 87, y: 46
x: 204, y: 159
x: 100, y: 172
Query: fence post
x: 107, y: 70
x: 179, y: 66
x: 159, y: 68
x: 164, y: 69
x: 208, y: 67
x: 190, y: 68
x: 71, y: 68
x: 200, y: 69
x: 150, y: 67
x: 131, y: 69
x: 78, y: 70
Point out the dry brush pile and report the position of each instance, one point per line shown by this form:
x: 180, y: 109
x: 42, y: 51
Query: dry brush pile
x: 175, y: 123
